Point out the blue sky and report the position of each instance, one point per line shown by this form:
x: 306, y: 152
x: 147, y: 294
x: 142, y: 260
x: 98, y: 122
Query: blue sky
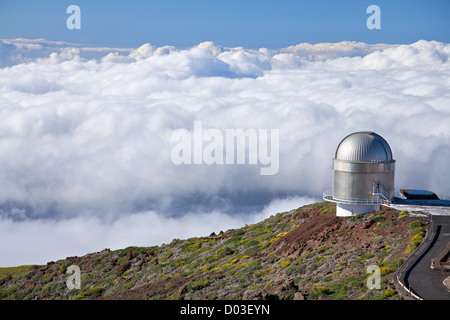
x: 250, y: 23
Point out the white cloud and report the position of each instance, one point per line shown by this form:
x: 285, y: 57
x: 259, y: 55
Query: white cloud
x: 85, y: 132
x: 43, y: 240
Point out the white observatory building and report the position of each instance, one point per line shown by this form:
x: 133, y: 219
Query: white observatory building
x: 363, y: 174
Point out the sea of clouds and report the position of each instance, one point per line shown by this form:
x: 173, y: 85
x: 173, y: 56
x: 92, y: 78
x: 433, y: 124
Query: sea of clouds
x: 85, y: 135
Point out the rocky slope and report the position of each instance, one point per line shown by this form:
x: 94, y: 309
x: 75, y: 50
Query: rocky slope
x: 306, y: 253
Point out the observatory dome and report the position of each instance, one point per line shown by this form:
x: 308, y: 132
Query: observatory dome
x: 363, y: 174
x: 364, y: 146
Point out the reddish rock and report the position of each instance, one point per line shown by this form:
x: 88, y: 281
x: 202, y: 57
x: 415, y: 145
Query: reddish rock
x: 299, y: 296
x: 29, y: 284
x: 124, y: 267
x: 367, y: 224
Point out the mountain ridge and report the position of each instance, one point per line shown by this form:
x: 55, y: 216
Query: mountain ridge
x: 304, y: 253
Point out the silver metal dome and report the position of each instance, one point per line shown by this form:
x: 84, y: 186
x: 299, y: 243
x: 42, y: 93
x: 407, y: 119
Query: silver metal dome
x: 364, y: 146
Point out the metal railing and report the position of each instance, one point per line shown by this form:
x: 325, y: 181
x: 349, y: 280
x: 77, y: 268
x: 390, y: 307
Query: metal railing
x: 328, y: 196
x: 380, y: 189
x: 407, y: 264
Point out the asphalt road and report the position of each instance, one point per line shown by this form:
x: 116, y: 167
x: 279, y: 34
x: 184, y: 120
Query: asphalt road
x: 424, y: 281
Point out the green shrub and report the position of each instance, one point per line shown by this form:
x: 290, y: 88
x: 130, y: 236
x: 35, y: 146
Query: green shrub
x: 234, y: 239
x: 253, y: 243
x: 386, y: 270
x: 403, y: 214
x: 167, y: 255
x: 415, y: 225
x: 339, y: 291
x: 365, y: 256
x: 319, y: 291
x: 284, y: 263
x: 81, y: 296
x: 387, y: 224
x: 416, y: 240
x: 389, y: 292
x: 221, y: 253
x: 378, y: 218
x: 89, y: 294
x: 262, y: 272
x: 252, y: 250
x: 192, y: 244
x: 303, y: 256
x: 393, y: 264
x: 410, y: 248
x: 356, y: 217
x: 198, y: 285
